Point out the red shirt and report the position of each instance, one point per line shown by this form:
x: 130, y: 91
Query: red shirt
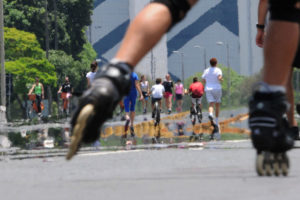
x: 196, y: 89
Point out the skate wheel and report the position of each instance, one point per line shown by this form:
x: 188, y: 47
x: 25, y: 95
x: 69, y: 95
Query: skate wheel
x: 78, y: 130
x: 268, y: 162
x: 285, y: 165
x: 260, y: 168
x: 277, y: 166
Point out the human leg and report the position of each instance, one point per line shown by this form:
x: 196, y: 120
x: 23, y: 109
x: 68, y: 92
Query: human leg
x: 112, y: 81
x: 147, y: 29
x: 38, y: 103
x: 290, y: 98
x: 169, y: 103
x: 271, y: 133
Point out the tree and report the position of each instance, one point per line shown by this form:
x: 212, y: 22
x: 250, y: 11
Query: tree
x: 72, y: 16
x: 20, y: 44
x: 26, y: 60
x: 65, y: 65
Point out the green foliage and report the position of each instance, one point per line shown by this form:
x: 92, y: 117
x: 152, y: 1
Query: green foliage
x: 26, y: 60
x: 72, y: 16
x: 240, y: 87
x: 26, y: 69
x: 65, y: 65
x: 17, y: 140
x: 21, y: 44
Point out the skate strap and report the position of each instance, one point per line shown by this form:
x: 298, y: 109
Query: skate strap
x: 269, y: 122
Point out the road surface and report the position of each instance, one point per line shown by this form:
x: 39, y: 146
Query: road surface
x: 220, y: 170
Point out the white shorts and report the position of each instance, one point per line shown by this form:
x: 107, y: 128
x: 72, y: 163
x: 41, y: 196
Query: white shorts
x: 214, y: 96
x: 196, y: 99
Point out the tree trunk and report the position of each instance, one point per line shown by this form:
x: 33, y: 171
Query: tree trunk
x: 49, y: 100
x: 23, y: 107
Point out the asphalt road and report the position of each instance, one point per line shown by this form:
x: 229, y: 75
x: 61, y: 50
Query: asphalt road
x: 220, y: 170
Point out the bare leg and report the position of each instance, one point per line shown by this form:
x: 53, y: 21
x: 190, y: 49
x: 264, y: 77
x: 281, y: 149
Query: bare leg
x: 170, y: 103
x: 211, y: 108
x: 180, y: 105
x: 280, y: 49
x: 144, y: 32
x: 290, y: 97
x: 217, y: 109
x: 132, y: 115
x: 166, y: 103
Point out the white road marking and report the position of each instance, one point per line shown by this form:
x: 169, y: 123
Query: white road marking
x: 108, y: 153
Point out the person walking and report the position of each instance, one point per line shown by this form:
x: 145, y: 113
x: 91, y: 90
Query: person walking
x: 91, y: 74
x: 168, y: 85
x: 179, y: 93
x: 144, y: 85
x: 212, y: 78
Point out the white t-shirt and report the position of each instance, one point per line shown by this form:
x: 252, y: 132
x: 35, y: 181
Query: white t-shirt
x: 211, y: 78
x: 144, y: 86
x: 91, y: 76
x: 157, y: 91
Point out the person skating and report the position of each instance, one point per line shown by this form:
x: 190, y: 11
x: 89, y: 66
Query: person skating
x: 271, y: 133
x: 260, y: 37
x: 130, y: 101
x: 112, y: 81
x: 212, y: 78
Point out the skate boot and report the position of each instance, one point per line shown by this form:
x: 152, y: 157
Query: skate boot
x: 126, y: 126
x: 211, y: 119
x: 132, y: 133
x: 192, y: 112
x: 199, y: 114
x: 295, y: 131
x: 97, y: 104
x: 270, y: 133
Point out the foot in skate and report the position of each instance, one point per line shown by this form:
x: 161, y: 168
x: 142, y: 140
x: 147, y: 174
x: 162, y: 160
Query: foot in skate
x: 78, y: 130
x: 97, y: 104
x: 270, y: 133
x: 268, y: 164
x: 132, y: 132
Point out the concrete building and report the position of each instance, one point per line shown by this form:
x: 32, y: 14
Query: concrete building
x: 224, y: 29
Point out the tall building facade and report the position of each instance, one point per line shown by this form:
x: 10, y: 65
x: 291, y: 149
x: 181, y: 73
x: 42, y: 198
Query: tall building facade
x: 224, y: 29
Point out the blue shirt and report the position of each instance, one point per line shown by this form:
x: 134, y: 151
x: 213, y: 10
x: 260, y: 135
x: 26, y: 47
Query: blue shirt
x: 133, y: 91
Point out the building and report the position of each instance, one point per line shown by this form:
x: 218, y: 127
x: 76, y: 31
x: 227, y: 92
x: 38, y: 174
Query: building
x: 224, y: 29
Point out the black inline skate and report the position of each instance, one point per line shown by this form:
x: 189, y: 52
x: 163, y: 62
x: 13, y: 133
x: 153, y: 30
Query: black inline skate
x: 97, y: 104
x: 270, y: 132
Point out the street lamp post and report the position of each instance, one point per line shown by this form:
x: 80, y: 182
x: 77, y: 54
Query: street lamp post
x: 2, y: 61
x: 204, y: 54
x: 181, y: 54
x: 228, y: 66
x: 2, y: 56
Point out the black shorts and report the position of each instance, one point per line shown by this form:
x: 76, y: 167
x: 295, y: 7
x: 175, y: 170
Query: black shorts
x: 179, y: 96
x: 155, y: 100
x: 145, y: 95
x: 296, y: 63
x: 284, y: 10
